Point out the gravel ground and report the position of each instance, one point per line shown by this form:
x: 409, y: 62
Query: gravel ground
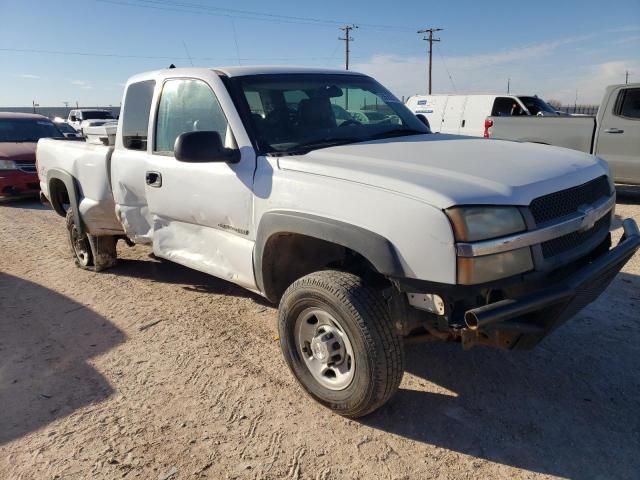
x: 152, y: 370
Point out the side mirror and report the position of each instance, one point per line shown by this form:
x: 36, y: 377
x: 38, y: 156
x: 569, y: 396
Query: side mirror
x: 424, y: 120
x: 203, y: 147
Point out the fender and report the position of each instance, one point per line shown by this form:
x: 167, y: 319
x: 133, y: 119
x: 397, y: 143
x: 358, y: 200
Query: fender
x: 379, y: 251
x: 72, y: 191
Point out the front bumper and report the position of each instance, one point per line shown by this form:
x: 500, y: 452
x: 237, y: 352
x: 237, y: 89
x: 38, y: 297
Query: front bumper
x: 14, y: 183
x: 522, y: 322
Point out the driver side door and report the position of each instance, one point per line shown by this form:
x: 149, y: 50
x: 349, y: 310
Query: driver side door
x: 201, y: 212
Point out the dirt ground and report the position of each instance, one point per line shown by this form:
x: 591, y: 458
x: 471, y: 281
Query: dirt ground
x: 155, y: 371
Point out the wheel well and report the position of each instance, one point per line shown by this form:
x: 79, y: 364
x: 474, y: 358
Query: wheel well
x: 59, y: 196
x: 290, y: 256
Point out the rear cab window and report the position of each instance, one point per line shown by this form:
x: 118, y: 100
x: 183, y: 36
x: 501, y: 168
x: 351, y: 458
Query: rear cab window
x: 135, y: 115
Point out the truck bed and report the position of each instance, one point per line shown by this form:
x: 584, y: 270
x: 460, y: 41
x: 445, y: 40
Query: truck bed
x: 90, y: 165
x: 570, y: 132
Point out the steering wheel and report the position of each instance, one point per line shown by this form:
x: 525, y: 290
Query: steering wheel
x: 350, y: 122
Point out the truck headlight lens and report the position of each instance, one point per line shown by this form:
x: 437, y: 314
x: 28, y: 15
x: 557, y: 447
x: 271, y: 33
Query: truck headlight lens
x: 8, y: 165
x: 482, y: 223
x: 474, y: 270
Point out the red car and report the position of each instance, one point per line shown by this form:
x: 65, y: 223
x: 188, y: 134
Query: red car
x: 19, y: 134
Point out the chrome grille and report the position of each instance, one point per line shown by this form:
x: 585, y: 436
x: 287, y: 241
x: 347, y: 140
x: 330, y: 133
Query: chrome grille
x: 565, y: 202
x: 573, y: 240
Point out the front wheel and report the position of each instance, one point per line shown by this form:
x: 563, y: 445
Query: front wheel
x: 338, y: 339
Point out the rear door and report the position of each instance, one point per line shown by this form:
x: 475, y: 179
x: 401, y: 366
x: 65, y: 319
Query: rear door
x: 476, y: 111
x: 618, y: 139
x: 129, y: 162
x: 452, y: 118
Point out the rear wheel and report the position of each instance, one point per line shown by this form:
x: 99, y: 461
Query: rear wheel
x: 90, y: 252
x: 338, y: 340
x: 79, y: 243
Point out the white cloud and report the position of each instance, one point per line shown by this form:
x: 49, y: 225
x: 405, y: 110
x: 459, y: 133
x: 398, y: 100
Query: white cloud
x: 82, y: 84
x: 29, y: 76
x: 591, y: 84
x: 551, y: 69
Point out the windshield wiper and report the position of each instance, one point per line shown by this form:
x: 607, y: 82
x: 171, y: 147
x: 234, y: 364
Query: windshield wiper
x: 318, y: 144
x: 397, y: 132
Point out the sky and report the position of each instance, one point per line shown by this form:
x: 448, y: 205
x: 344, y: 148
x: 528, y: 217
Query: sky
x: 83, y: 51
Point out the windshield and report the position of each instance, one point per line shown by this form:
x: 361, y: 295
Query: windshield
x: 297, y: 113
x: 537, y: 106
x: 65, y: 127
x: 27, y: 130
x: 96, y: 115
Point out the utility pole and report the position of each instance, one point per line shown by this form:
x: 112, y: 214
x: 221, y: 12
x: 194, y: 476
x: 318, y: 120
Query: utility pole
x: 430, y: 39
x: 347, y: 39
x: 626, y: 77
x: 508, y: 85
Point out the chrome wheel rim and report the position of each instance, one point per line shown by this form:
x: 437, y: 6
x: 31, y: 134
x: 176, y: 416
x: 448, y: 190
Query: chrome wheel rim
x: 80, y: 245
x: 325, y: 348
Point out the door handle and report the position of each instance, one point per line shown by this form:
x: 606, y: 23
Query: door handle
x: 154, y: 179
x: 614, y: 130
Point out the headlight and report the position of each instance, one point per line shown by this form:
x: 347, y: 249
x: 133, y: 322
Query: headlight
x: 482, y: 223
x: 471, y: 224
x: 8, y: 165
x: 474, y: 270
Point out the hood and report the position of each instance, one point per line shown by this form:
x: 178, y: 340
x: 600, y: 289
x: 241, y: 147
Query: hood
x: 447, y: 170
x: 21, y: 151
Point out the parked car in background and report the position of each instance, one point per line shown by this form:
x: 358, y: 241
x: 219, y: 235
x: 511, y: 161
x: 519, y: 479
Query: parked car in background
x: 19, y: 134
x: 85, y: 117
x: 465, y: 114
x: 67, y: 130
x: 613, y: 134
x: 365, y: 234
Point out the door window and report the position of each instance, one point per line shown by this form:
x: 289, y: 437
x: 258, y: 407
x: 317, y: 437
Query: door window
x: 187, y: 105
x: 135, y: 120
x: 628, y: 104
x: 506, y: 107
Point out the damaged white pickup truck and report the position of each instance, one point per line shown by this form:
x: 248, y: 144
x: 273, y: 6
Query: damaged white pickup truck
x: 367, y: 233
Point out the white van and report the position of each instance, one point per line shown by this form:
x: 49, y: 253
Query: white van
x: 466, y: 114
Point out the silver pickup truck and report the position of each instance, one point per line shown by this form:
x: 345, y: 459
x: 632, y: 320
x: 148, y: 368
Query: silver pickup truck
x: 613, y: 134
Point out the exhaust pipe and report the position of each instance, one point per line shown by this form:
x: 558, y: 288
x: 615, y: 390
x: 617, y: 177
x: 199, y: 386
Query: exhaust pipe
x: 481, y: 317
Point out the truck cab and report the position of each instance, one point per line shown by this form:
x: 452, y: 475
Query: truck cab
x: 84, y: 117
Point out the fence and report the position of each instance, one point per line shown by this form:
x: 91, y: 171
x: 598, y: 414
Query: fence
x: 579, y: 109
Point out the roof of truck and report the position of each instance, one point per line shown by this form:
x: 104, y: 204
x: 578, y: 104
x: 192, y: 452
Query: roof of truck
x: 275, y: 69
x: 241, y: 71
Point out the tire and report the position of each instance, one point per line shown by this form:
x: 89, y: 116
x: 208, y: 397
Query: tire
x: 370, y: 361
x: 90, y: 252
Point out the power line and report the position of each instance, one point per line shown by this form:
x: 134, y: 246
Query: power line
x: 446, y: 69
x: 154, y: 57
x: 430, y: 39
x: 244, y: 14
x: 347, y: 40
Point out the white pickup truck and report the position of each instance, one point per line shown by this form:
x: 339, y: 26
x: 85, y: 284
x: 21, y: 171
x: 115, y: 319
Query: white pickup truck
x: 613, y: 134
x: 368, y: 235
x: 82, y: 118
